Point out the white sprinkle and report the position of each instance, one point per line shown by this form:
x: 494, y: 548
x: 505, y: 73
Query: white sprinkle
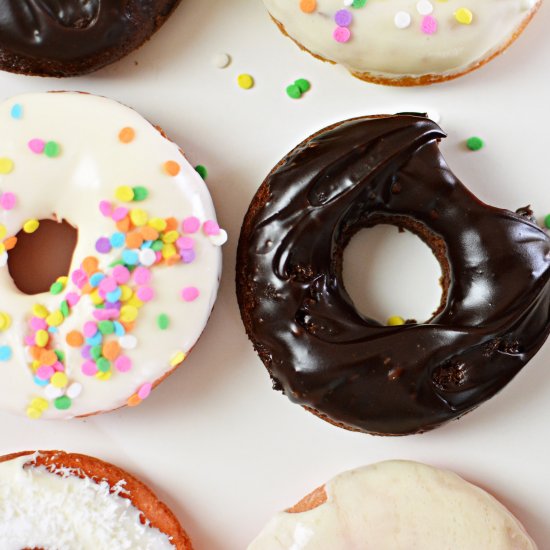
x: 51, y: 392
x: 219, y: 239
x: 424, y: 7
x: 74, y: 390
x: 147, y: 257
x: 3, y: 259
x: 348, y: 3
x: 402, y: 19
x: 128, y: 341
x: 221, y: 60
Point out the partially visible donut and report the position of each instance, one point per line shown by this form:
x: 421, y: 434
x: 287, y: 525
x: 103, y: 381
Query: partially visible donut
x: 72, y: 37
x: 53, y: 499
x: 351, y: 370
x: 93, y: 322
x: 395, y: 505
x: 404, y: 42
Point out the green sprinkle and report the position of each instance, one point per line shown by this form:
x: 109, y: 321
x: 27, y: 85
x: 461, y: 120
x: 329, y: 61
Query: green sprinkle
x: 64, y: 308
x: 103, y: 365
x: 62, y: 402
x: 157, y: 245
x: 115, y: 263
x: 106, y: 327
x: 303, y: 84
x: 56, y: 288
x: 474, y: 143
x: 140, y: 193
x: 547, y: 221
x: 203, y: 172
x: 95, y: 352
x: 163, y: 321
x: 52, y: 149
x: 60, y: 355
x: 293, y: 91
x: 359, y: 3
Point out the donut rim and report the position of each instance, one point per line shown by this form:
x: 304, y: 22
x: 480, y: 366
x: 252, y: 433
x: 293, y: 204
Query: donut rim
x: 423, y: 80
x: 140, y: 495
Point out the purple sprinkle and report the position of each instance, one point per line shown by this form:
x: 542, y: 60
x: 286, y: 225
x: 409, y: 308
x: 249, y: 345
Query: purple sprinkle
x: 187, y: 256
x: 103, y: 245
x: 343, y: 18
x: 85, y: 352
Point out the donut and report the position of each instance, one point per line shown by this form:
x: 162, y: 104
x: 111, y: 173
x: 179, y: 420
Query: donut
x: 352, y: 370
x: 53, y: 499
x: 396, y: 505
x: 110, y: 255
x: 72, y: 37
x: 403, y: 43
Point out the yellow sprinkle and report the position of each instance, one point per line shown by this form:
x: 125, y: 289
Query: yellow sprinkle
x: 170, y: 237
x: 103, y: 376
x: 55, y: 318
x: 33, y: 413
x: 59, y: 380
x: 139, y: 217
x: 128, y: 313
x: 124, y: 193
x: 39, y: 310
x: 63, y: 280
x: 395, y: 321
x: 41, y: 338
x: 464, y: 16
x: 157, y: 223
x: 178, y: 359
x: 245, y: 81
x: 31, y: 226
x: 5, y: 321
x: 39, y: 403
x: 95, y: 297
x: 135, y: 301
x: 168, y: 250
x: 3, y: 231
x: 2, y: 248
x: 126, y: 293
x: 6, y: 165
x: 35, y: 364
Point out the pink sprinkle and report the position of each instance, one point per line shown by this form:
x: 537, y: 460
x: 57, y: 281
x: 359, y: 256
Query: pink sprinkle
x: 191, y: 224
x: 341, y: 34
x: 100, y: 315
x: 38, y: 324
x: 190, y: 293
x: 210, y: 227
x: 29, y: 340
x: 58, y: 367
x: 123, y: 363
x: 45, y: 372
x: 106, y: 208
x: 119, y: 213
x: 429, y: 24
x: 145, y: 293
x: 121, y: 274
x: 37, y: 145
x: 108, y: 284
x: 142, y: 275
x: 89, y: 368
x: 7, y: 201
x: 72, y: 299
x: 159, y: 256
x: 145, y: 390
x: 79, y: 277
x: 90, y: 329
x: 185, y: 243
x: 112, y: 313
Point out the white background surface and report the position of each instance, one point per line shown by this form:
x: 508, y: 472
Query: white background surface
x: 215, y: 441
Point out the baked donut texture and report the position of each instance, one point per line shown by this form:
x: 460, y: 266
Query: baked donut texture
x: 144, y: 273
x: 404, y: 43
x: 396, y: 505
x: 53, y: 499
x: 349, y: 369
x: 72, y: 37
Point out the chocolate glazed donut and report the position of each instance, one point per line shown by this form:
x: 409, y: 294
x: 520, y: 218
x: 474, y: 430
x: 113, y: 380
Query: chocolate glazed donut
x: 69, y: 37
x: 351, y: 370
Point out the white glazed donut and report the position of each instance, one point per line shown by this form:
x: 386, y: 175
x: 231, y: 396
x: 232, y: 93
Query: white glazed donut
x: 104, y: 336
x: 52, y: 499
x: 395, y: 505
x: 404, y: 42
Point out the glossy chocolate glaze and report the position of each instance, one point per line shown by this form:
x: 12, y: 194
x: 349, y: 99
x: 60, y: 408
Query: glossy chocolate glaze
x: 350, y: 369
x: 73, y: 30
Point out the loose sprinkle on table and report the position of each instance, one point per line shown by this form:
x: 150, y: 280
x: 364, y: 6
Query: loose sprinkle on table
x: 245, y: 81
x: 475, y: 143
x: 221, y: 60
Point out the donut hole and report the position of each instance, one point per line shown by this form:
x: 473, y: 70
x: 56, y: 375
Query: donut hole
x: 40, y: 258
x: 390, y: 272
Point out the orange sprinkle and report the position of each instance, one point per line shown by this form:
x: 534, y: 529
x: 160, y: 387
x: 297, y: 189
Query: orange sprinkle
x: 134, y: 240
x: 124, y: 224
x: 126, y: 135
x: 36, y: 352
x: 171, y: 167
x: 10, y: 243
x: 148, y: 233
x: 111, y: 350
x: 128, y: 325
x: 308, y: 6
x: 171, y: 224
x: 48, y: 357
x: 90, y: 264
x: 87, y: 289
x: 75, y: 339
x: 173, y: 260
x: 134, y: 400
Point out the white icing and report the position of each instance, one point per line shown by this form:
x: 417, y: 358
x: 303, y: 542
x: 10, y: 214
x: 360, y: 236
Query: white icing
x: 384, y: 45
x: 92, y: 164
x: 398, y: 505
x: 42, y: 509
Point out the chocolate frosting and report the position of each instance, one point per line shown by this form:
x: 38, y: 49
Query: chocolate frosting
x: 70, y: 30
x: 349, y: 369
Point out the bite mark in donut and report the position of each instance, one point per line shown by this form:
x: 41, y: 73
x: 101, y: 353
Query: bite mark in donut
x: 351, y: 370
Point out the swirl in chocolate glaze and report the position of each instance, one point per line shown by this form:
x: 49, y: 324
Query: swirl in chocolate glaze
x: 45, y: 35
x: 347, y: 368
